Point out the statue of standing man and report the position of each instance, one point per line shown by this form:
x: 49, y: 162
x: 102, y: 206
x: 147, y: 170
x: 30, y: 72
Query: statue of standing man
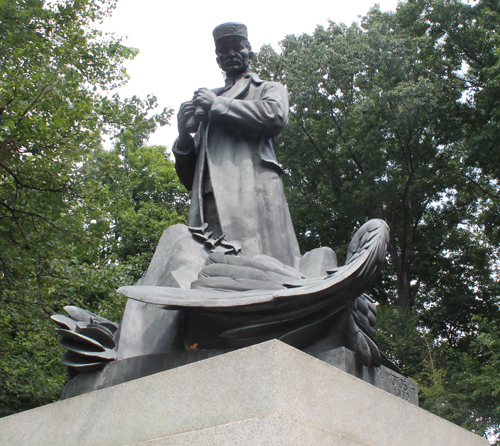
x: 225, y: 157
x: 234, y: 276
x: 229, y: 165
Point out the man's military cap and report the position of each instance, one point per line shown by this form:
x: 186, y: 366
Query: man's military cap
x: 230, y: 29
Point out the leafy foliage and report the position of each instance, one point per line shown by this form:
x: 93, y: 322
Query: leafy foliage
x: 63, y: 217
x: 139, y: 196
x: 386, y: 122
x: 396, y: 118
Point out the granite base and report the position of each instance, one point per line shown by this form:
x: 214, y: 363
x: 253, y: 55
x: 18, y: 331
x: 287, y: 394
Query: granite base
x: 266, y: 394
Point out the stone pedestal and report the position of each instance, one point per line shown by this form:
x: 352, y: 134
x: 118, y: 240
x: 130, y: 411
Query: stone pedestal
x: 381, y: 377
x: 267, y: 394
x: 128, y: 369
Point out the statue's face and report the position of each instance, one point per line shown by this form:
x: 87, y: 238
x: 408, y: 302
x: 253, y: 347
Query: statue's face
x: 233, y: 55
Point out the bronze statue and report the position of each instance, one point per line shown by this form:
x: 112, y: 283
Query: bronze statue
x: 229, y: 165
x: 234, y: 276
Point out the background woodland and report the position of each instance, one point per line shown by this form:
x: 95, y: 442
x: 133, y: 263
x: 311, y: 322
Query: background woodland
x: 397, y: 118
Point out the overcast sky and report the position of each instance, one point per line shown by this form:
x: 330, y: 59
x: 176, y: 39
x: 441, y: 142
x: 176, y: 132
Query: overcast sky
x: 176, y: 46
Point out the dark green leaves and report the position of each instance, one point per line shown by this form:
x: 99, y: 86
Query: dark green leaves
x: 397, y: 118
x: 76, y: 221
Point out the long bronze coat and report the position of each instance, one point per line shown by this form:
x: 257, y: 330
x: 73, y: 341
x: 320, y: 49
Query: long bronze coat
x: 235, y: 148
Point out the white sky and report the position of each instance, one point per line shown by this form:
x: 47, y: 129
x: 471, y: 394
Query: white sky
x: 176, y: 45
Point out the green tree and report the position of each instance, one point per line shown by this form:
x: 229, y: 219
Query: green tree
x: 467, y: 36
x: 381, y: 128
x: 56, y: 77
x: 139, y: 196
x: 369, y: 131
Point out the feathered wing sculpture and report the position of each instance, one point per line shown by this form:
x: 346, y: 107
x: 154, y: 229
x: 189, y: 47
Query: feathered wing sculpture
x: 88, y: 339
x: 237, y: 301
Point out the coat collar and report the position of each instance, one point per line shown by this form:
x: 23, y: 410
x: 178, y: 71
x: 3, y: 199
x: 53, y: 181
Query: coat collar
x: 237, y: 87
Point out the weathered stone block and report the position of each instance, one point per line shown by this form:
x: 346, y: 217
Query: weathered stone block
x: 269, y: 393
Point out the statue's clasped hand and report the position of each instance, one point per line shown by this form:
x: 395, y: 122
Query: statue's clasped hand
x: 191, y: 113
x: 185, y: 120
x: 186, y: 111
x: 204, y: 97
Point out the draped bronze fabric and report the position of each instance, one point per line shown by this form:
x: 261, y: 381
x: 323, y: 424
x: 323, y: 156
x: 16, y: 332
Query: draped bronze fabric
x: 235, y: 148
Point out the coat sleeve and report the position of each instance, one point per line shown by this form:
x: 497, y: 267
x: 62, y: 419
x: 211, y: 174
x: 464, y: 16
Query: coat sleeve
x: 267, y: 116
x: 185, y: 164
